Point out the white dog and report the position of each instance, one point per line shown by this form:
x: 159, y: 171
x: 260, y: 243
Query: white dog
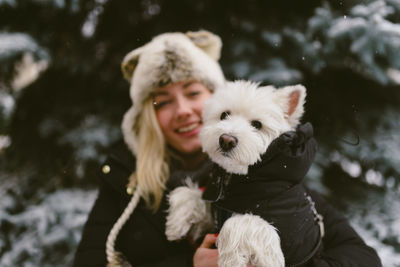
x: 241, y: 121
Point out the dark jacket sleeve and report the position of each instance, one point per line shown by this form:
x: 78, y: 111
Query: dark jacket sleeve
x: 342, y: 246
x: 140, y: 240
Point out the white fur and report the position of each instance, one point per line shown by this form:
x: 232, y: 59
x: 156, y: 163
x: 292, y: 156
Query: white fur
x: 246, y: 101
x: 210, y: 43
x: 249, y: 239
x: 188, y: 214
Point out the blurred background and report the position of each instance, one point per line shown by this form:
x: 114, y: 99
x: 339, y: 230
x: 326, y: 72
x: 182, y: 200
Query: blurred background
x: 62, y: 97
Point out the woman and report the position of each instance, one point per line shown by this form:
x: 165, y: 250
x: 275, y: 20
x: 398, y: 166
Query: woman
x: 171, y: 77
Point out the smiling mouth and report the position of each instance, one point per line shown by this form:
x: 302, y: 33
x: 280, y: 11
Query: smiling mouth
x: 188, y: 128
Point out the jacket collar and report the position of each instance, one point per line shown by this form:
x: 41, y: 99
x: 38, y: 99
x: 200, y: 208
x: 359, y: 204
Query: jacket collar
x: 286, y: 161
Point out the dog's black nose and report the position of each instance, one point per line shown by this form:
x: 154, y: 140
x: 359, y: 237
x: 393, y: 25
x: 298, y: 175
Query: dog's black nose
x: 227, y: 142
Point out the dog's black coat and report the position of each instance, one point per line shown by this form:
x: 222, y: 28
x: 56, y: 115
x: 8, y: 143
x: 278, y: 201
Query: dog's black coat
x: 273, y: 189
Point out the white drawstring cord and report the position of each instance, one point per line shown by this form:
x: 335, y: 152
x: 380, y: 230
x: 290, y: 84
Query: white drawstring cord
x: 112, y: 236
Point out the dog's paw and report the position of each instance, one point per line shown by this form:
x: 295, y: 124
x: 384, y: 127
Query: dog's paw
x: 188, y: 213
x: 248, y: 239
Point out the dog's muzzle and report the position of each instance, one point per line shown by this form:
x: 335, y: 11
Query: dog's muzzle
x: 227, y: 142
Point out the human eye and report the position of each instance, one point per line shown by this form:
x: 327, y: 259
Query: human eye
x: 160, y: 102
x: 194, y: 89
x: 194, y: 93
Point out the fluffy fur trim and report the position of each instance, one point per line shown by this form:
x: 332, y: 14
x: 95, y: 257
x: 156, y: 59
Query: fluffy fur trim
x: 249, y: 239
x: 188, y: 214
x: 168, y: 58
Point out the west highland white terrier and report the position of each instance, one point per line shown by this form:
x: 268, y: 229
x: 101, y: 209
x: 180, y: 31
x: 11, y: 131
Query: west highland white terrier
x: 259, y: 205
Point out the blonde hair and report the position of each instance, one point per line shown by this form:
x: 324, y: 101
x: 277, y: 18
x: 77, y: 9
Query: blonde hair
x: 152, y: 168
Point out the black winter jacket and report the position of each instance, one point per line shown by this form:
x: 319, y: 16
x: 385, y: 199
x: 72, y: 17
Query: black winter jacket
x: 273, y: 189
x: 143, y: 242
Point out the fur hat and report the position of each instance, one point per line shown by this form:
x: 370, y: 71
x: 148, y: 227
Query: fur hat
x: 168, y: 58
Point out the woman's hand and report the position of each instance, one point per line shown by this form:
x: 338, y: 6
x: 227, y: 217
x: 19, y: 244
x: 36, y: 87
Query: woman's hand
x: 204, y: 255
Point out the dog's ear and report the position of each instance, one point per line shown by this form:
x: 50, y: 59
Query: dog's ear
x: 130, y: 62
x: 292, y: 99
x: 208, y: 42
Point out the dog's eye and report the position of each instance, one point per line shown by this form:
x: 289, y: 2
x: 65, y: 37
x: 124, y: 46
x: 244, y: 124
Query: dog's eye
x: 256, y: 124
x: 224, y: 115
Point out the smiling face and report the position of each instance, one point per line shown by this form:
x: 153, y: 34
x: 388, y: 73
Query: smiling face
x: 178, y: 109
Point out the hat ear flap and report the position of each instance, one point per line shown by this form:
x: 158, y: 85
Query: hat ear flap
x: 210, y: 43
x: 130, y: 62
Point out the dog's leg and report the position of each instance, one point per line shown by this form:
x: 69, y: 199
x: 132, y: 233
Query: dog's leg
x: 247, y: 239
x: 188, y: 213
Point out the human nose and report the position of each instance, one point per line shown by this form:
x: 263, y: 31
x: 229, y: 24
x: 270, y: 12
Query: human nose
x: 182, y: 107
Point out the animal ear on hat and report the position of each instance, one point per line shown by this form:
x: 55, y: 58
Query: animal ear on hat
x: 292, y: 100
x: 130, y: 62
x: 210, y: 43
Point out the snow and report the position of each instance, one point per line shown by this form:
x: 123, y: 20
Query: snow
x: 277, y: 73
x: 91, y: 134
x: 88, y: 138
x: 382, y: 145
x: 15, y: 43
x: 90, y: 24
x: 377, y: 218
x: 364, y: 40
x: 27, y: 71
x: 271, y: 38
x: 8, y: 2
x: 7, y: 105
x: 54, y: 222
x: 352, y: 168
x: 5, y: 141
